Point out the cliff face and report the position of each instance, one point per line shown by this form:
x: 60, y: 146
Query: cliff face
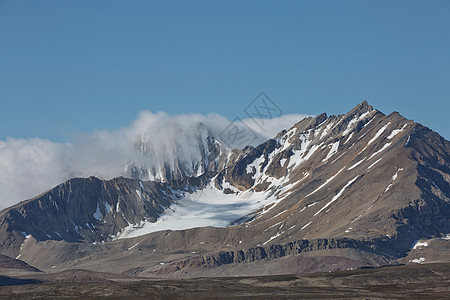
x: 293, y: 248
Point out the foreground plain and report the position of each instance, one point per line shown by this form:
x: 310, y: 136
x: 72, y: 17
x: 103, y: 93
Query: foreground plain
x: 421, y: 281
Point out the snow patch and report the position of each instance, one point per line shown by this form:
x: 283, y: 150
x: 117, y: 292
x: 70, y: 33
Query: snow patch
x: 418, y: 260
x: 326, y: 182
x: 381, y: 150
x: 97, y: 214
x: 357, y: 164
x: 272, y: 238
x: 337, y: 196
x: 353, y: 122
x: 374, y: 164
x: 333, y: 151
x: 408, y: 141
x: 304, y: 226
x: 276, y: 224
x: 420, y: 244
x: 349, y: 138
x: 139, y: 194
x: 379, y: 132
x: 361, y: 214
x: 299, y: 156
x: 133, y: 247
x: 255, y: 165
x: 108, y: 208
x: 395, y: 132
x: 325, y: 131
x: 277, y: 215
x: 393, y: 179
x: 88, y: 226
x: 141, y: 185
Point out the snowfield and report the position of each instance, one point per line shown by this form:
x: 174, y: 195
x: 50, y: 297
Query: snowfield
x: 207, y: 207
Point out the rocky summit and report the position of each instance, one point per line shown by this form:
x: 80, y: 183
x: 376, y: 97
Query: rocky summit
x: 330, y: 193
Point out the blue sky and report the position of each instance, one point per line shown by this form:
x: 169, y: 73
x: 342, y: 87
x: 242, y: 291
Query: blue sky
x: 78, y: 66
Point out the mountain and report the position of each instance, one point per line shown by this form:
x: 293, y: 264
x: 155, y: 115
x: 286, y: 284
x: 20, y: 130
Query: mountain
x: 332, y: 192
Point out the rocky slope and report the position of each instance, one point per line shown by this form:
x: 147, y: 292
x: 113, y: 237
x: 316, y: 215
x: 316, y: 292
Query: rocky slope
x: 7, y: 262
x: 361, y: 186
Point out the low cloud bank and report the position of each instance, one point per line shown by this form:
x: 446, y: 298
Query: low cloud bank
x: 32, y: 166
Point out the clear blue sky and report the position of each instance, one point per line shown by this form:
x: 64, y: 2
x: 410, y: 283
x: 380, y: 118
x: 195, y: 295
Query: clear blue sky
x: 68, y: 66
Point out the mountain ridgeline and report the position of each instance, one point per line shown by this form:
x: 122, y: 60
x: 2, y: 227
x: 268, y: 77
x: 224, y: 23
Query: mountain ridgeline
x: 357, y: 189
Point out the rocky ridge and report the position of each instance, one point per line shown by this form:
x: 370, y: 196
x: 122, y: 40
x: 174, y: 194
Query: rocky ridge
x: 360, y: 181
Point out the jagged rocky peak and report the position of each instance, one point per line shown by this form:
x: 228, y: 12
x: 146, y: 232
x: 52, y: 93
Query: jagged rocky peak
x: 323, y: 127
x: 360, y: 109
x: 313, y: 139
x: 360, y: 138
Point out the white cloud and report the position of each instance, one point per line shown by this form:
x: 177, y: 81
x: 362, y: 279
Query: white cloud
x: 29, y: 167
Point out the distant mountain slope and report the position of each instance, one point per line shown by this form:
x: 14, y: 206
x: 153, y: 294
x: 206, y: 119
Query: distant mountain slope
x: 85, y: 210
x: 7, y: 262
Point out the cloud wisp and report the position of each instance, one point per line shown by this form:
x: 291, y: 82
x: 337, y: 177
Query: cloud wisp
x: 32, y: 166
